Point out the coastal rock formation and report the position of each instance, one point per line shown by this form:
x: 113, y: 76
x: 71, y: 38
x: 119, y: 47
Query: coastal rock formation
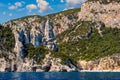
x: 33, y: 30
x: 107, y: 13
x: 32, y: 34
x: 38, y: 31
x: 110, y: 63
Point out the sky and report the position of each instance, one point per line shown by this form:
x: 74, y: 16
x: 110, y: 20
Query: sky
x: 12, y: 9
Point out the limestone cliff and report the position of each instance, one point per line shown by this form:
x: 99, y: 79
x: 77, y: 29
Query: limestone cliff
x: 38, y: 31
x: 110, y: 63
x: 71, y: 40
x: 97, y: 11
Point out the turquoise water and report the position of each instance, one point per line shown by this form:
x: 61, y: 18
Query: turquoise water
x: 60, y: 76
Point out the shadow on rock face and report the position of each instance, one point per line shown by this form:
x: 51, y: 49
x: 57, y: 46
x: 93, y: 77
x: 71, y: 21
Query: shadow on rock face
x: 34, y: 69
x: 63, y: 70
x: 47, y: 67
x: 14, y: 67
x: 8, y: 69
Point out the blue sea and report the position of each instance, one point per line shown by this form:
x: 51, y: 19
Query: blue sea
x: 60, y: 76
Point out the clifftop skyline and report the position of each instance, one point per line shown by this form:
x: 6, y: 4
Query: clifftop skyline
x: 85, y: 38
x: 12, y: 9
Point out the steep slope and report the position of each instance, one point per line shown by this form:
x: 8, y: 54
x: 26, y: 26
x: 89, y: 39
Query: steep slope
x: 39, y: 30
x: 90, y: 46
x: 34, y: 35
x: 72, y: 40
x: 96, y: 10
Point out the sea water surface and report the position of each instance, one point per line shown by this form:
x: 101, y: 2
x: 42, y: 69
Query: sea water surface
x: 60, y: 76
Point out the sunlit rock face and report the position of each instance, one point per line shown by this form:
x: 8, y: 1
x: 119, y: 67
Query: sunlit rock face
x: 37, y: 36
x: 49, y: 36
x: 38, y: 31
x: 19, y: 38
x: 107, y: 13
x: 109, y: 63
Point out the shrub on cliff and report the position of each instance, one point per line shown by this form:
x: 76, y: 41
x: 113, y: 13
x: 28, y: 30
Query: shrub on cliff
x: 36, y: 53
x: 92, y: 48
x: 7, y: 40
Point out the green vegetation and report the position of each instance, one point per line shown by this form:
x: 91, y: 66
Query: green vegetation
x: 81, y: 28
x: 5, y: 55
x: 66, y: 12
x: 42, y: 18
x: 36, y: 52
x: 70, y: 14
x: 7, y: 40
x: 25, y: 19
x: 105, y: 1
x: 93, y: 48
x: 70, y: 11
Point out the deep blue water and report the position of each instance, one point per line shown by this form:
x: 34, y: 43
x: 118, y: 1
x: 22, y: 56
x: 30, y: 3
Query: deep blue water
x: 60, y: 76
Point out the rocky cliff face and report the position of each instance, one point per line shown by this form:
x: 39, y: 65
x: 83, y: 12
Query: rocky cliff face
x: 106, y: 13
x: 110, y: 63
x: 44, y: 31
x: 109, y: 14
x: 37, y: 31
